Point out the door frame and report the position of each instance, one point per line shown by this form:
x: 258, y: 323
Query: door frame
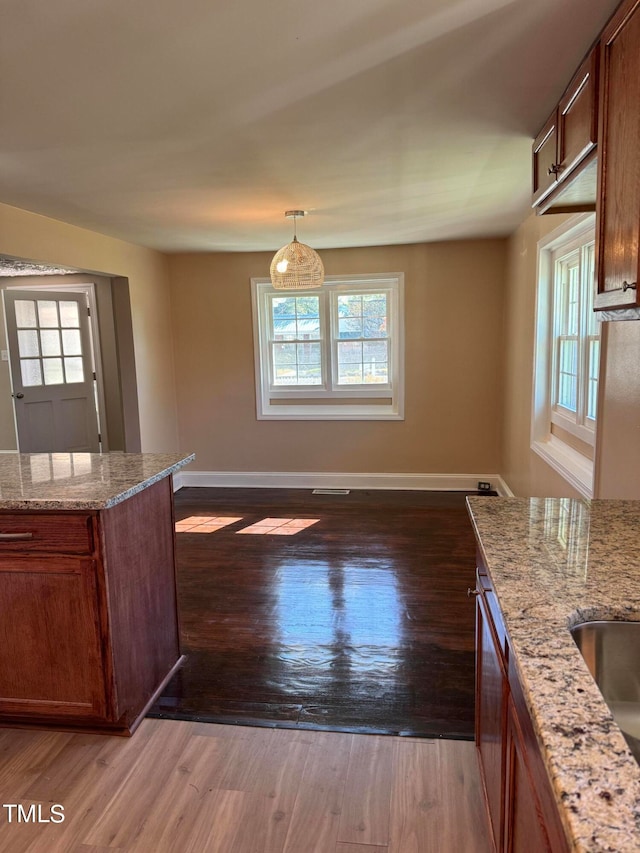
x: 89, y: 289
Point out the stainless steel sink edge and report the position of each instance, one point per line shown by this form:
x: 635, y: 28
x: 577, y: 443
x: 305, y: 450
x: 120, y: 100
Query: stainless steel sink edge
x: 611, y: 651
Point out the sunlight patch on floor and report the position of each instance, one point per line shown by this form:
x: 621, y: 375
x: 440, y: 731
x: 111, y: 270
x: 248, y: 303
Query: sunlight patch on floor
x: 280, y: 526
x: 204, y: 523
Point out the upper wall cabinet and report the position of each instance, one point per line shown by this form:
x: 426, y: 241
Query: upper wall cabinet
x: 618, y: 210
x: 564, y: 169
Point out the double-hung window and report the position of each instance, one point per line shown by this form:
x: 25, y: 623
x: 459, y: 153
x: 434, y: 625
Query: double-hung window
x: 335, y: 353
x: 567, y: 353
x: 576, y: 341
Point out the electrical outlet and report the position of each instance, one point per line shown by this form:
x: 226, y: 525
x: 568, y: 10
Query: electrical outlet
x: 4, y: 354
x: 484, y: 487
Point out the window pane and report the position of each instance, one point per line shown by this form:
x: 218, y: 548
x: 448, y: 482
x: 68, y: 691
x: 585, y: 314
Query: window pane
x: 350, y: 374
x: 375, y: 351
x: 375, y: 327
x: 50, y: 339
x: 308, y: 375
x: 284, y: 306
x: 308, y: 354
x: 350, y: 306
x: 350, y: 363
x: 593, y: 326
x: 377, y: 371
x: 31, y: 372
x: 350, y: 352
x: 25, y: 313
x: 47, y: 313
x: 53, y: 374
x: 592, y: 390
x: 284, y: 354
x: 71, y: 342
x: 567, y: 374
x: 287, y: 375
x: 572, y: 301
x: 284, y: 329
x: 73, y: 370
x: 350, y: 327
x: 308, y: 328
x: 28, y: 343
x: 308, y: 306
x: 375, y: 305
x: 69, y: 314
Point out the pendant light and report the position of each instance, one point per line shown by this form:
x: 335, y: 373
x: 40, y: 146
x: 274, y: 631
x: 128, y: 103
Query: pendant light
x: 296, y: 266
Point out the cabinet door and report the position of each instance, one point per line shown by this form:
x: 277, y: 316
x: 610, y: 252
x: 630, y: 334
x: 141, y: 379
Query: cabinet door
x: 490, y: 716
x: 524, y: 829
x: 618, y: 209
x: 50, y: 661
x: 545, y: 159
x: 578, y: 116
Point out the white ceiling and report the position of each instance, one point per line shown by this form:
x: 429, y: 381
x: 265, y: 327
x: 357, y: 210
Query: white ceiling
x: 193, y: 125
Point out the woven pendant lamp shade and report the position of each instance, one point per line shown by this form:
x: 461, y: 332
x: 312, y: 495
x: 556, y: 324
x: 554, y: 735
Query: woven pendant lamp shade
x: 296, y: 266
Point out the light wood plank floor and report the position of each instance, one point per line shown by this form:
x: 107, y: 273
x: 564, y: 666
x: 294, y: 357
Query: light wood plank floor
x: 185, y: 787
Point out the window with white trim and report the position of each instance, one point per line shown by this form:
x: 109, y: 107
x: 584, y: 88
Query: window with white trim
x: 335, y: 353
x: 567, y: 353
x: 576, y: 340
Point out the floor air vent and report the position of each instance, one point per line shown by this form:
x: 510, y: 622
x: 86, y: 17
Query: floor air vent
x: 331, y: 492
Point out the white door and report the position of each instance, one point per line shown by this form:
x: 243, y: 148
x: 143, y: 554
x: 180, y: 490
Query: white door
x: 51, y: 371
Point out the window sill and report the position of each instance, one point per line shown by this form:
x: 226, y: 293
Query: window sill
x: 330, y: 413
x: 575, y: 468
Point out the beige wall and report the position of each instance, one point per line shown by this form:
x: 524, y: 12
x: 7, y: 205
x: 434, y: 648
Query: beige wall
x: 38, y: 238
x: 453, y: 308
x: 523, y: 470
x: 7, y: 425
x: 618, y: 465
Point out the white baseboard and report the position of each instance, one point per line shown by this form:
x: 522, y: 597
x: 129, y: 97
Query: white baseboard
x: 317, y: 480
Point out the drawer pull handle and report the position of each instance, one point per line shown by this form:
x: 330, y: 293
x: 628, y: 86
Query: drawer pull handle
x: 472, y: 592
x: 12, y: 537
x: 629, y: 286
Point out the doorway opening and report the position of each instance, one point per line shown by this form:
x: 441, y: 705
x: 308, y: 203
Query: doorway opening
x: 68, y: 367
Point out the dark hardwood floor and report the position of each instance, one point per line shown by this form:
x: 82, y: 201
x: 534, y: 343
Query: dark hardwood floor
x: 360, y: 622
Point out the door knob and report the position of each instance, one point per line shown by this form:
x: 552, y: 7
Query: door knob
x: 18, y: 396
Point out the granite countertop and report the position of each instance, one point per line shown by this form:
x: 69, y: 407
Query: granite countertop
x: 553, y: 563
x: 54, y: 481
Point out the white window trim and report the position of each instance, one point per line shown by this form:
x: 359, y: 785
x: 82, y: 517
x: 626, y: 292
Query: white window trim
x: 296, y: 408
x: 576, y: 468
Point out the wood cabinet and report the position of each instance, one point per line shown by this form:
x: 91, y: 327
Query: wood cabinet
x: 89, y: 629
x: 523, y: 815
x: 564, y: 150
x: 618, y: 210
x: 491, y: 697
x: 524, y: 823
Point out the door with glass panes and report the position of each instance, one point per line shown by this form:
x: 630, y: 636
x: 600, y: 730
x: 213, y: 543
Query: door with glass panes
x: 51, y: 371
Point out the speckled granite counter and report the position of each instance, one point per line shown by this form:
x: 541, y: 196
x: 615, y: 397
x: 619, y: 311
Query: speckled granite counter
x: 54, y: 481
x: 553, y: 564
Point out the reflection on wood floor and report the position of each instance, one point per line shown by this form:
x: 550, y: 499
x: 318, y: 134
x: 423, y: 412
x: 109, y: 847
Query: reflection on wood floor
x: 359, y: 622
x: 184, y: 787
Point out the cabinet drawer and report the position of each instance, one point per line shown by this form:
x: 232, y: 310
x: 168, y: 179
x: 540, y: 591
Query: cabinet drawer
x: 58, y: 532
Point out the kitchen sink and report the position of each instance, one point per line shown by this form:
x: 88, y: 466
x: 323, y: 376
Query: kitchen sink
x: 612, y: 652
